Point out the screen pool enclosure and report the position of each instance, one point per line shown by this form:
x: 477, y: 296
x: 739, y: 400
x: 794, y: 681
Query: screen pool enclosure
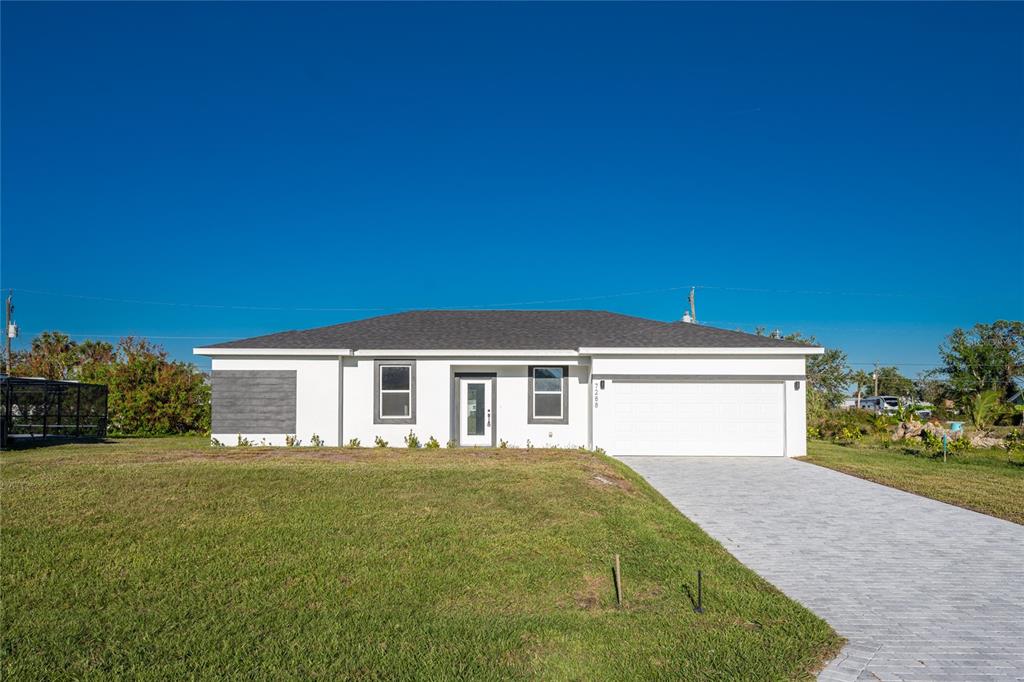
x: 37, y: 409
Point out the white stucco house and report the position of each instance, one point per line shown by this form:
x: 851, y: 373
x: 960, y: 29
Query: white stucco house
x: 566, y: 378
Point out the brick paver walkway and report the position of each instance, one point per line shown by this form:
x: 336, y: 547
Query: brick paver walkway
x: 920, y: 589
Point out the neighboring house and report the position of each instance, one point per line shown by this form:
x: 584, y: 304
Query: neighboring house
x: 629, y: 385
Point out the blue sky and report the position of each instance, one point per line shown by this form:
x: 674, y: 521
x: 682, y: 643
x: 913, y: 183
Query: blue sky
x: 849, y: 171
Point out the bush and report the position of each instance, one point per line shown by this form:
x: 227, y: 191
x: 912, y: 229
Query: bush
x: 148, y: 394
x: 316, y: 441
x: 847, y: 434
x: 290, y: 441
x: 945, y: 414
x: 380, y: 442
x: 354, y: 443
x: 1014, y: 444
x: 985, y: 409
x: 451, y: 443
x: 432, y: 444
x: 954, y: 446
x: 412, y: 441
x: 958, y: 446
x: 847, y: 425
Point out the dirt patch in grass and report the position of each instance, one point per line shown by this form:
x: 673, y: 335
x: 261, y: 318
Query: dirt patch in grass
x: 594, y: 592
x: 609, y: 479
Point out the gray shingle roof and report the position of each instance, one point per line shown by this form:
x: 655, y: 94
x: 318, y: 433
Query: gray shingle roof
x: 509, y: 330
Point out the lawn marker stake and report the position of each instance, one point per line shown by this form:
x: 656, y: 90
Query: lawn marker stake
x: 700, y: 593
x: 618, y: 582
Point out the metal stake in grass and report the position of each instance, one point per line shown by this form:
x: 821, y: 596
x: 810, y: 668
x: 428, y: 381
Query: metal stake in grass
x: 618, y: 582
x: 700, y: 593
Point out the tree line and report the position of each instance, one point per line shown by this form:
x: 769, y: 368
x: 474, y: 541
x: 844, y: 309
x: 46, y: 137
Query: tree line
x: 148, y: 394
x: 983, y: 360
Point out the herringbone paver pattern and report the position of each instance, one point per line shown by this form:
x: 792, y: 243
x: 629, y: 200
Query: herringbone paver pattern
x: 920, y: 589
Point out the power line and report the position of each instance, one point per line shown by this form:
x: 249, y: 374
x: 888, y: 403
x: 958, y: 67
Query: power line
x: 107, y: 299
x: 381, y: 308
x: 814, y: 326
x: 578, y: 298
x: 187, y: 305
x: 922, y: 364
x: 811, y: 292
x: 919, y: 364
x: 136, y: 334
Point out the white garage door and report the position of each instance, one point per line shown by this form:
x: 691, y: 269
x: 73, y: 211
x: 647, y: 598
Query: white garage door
x: 684, y: 418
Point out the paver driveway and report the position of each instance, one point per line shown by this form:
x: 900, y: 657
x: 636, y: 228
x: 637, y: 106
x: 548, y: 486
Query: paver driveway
x: 920, y: 589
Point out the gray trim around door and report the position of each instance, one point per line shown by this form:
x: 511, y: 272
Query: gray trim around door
x: 377, y: 419
x: 564, y: 419
x: 698, y: 378
x: 456, y: 410
x: 254, y: 401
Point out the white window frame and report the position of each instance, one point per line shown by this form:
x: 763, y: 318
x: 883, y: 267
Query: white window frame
x: 559, y: 392
x: 382, y: 390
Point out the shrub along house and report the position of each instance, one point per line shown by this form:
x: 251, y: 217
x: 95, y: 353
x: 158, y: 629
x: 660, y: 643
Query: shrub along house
x: 629, y: 385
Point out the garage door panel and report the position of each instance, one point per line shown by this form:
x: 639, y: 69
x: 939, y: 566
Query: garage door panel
x: 685, y: 418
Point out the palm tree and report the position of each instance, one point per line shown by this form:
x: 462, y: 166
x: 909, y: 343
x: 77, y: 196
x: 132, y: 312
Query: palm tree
x: 985, y: 409
x: 861, y: 379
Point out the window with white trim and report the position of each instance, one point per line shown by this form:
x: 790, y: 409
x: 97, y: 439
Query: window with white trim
x: 547, y: 392
x: 395, y: 383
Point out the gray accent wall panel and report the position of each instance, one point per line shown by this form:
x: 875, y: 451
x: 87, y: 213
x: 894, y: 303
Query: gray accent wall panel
x: 254, y: 401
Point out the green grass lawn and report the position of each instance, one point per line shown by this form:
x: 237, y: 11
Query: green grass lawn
x: 982, y: 480
x: 167, y: 558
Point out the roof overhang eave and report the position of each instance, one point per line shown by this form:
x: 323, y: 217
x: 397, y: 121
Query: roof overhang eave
x: 464, y: 352
x: 746, y: 350
x: 320, y: 352
x: 385, y: 352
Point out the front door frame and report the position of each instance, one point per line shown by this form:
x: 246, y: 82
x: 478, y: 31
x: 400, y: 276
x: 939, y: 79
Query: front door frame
x: 456, y: 398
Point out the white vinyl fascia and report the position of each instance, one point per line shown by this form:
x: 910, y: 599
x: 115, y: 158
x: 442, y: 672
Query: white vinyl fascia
x: 810, y: 350
x: 372, y: 352
x: 494, y: 353
x: 321, y: 352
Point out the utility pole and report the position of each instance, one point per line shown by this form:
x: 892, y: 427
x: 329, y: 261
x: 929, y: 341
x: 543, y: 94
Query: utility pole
x: 874, y: 375
x: 693, y: 309
x: 9, y: 330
